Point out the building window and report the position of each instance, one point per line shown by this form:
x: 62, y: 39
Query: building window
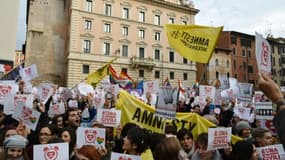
x: 235, y: 64
x: 184, y: 22
x: 141, y: 16
x: 234, y: 40
x: 141, y: 73
x: 141, y: 34
x: 244, y: 66
x: 171, y: 75
x: 171, y: 56
x: 171, y: 20
x: 156, y: 74
x: 157, y: 36
x: 185, y: 61
x: 185, y: 76
x: 217, y: 75
x: 125, y: 13
x: 108, y: 9
x: 125, y: 31
x: 88, y: 5
x: 217, y: 62
x: 228, y: 63
x: 249, y: 54
x: 125, y: 51
x: 106, y: 49
x: 125, y: 70
x: 157, y: 54
x: 273, y: 61
x: 87, y: 46
x: 250, y: 69
x: 85, y: 69
x: 157, y: 19
x: 141, y: 52
x: 243, y: 52
x: 234, y: 51
x: 107, y: 27
x: 88, y: 24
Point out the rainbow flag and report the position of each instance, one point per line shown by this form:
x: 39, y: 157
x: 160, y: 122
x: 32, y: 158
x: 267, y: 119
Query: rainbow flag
x: 166, y: 83
x: 124, y: 80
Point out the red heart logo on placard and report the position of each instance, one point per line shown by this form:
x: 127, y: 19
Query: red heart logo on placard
x: 90, y: 138
x: 5, y: 90
x: 51, y: 154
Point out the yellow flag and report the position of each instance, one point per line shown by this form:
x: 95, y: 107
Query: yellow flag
x: 95, y: 77
x: 135, y: 111
x: 195, y: 43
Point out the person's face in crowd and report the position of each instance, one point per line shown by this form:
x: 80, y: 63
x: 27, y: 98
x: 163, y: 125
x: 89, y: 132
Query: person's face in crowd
x: 65, y: 136
x: 10, y: 132
x: 74, y: 118
x: 45, y: 135
x: 2, y: 117
x: 257, y: 123
x: 59, y: 122
x: 266, y: 140
x: 245, y: 133
x: 196, y: 110
x: 81, y: 157
x: 203, y: 153
x: 14, y: 153
x: 186, y: 143
x: 254, y: 155
x: 128, y: 146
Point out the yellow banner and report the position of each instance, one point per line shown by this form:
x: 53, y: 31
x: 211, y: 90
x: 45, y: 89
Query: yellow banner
x: 196, y: 43
x: 136, y: 111
x: 99, y: 74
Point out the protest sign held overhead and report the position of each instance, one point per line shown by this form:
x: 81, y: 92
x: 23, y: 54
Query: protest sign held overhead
x: 194, y: 42
x: 263, y: 54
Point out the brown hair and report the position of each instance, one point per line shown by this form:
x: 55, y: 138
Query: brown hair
x: 90, y: 152
x: 168, y: 149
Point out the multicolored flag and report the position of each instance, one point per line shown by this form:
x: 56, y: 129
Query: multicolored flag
x: 124, y: 80
x: 166, y: 82
x: 181, y: 89
x: 194, y: 42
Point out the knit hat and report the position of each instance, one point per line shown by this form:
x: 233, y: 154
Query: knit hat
x: 241, y: 125
x: 16, y: 141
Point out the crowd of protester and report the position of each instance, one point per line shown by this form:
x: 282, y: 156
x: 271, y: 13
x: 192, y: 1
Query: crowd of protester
x: 17, y: 140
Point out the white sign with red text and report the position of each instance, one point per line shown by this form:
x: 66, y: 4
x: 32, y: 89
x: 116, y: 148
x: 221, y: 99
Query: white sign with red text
x: 7, y: 88
x: 230, y: 93
x: 263, y: 54
x: 219, y: 138
x: 121, y: 156
x: 109, y: 117
x: 207, y: 91
x: 14, y: 100
x: 242, y: 112
x: 90, y: 136
x: 271, y: 152
x: 29, y: 73
x: 28, y: 116
x: 52, y: 151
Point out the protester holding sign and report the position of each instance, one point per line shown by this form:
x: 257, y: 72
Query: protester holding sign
x: 244, y: 150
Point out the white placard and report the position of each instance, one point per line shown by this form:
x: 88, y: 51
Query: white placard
x: 29, y: 73
x: 72, y: 104
x: 121, y: 156
x: 230, y: 93
x: 112, y: 88
x: 28, y: 116
x: 219, y: 138
x: 271, y: 152
x: 151, y: 86
x: 85, y: 88
x: 264, y: 110
x: 14, y: 100
x: 45, y: 90
x: 167, y: 102
x: 90, y: 136
x: 242, y: 112
x: 207, y: 91
x: 52, y: 151
x: 7, y: 88
x: 263, y: 54
x: 109, y: 117
x: 56, y: 109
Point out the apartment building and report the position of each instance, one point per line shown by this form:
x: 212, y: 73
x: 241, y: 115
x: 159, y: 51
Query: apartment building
x: 69, y: 39
x: 278, y: 59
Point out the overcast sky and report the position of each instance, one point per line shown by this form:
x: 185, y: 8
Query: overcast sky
x: 246, y: 16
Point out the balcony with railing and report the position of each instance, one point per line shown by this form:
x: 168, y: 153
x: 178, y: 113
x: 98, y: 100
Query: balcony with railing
x: 142, y: 62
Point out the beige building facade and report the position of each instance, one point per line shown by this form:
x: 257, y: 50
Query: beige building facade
x: 70, y: 39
